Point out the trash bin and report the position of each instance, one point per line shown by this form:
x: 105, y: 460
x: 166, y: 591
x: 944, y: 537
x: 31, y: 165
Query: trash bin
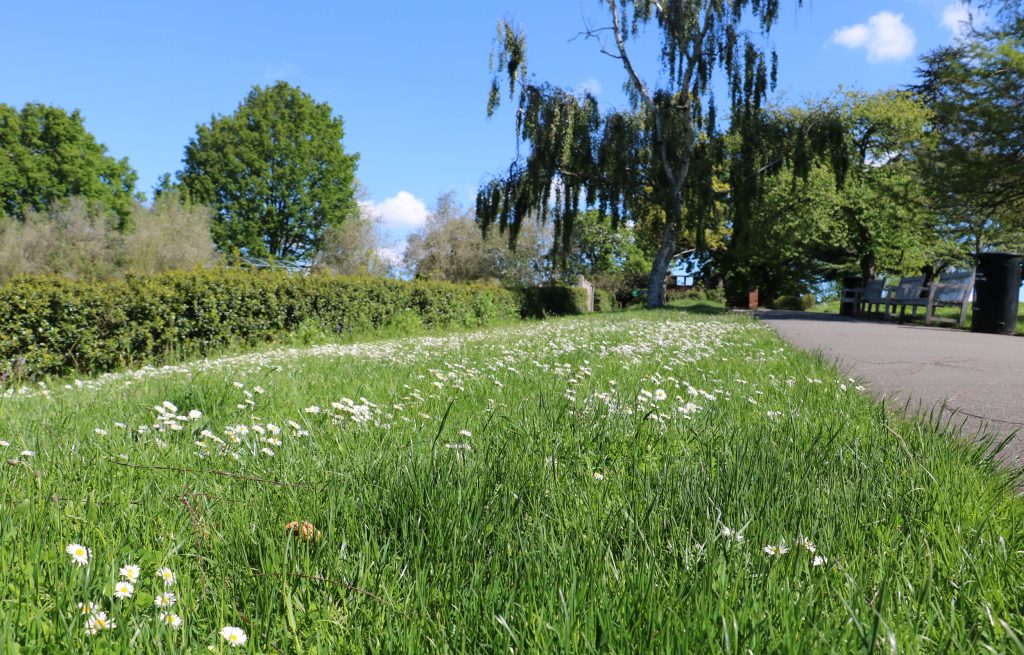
x: 996, y: 288
x: 847, y: 298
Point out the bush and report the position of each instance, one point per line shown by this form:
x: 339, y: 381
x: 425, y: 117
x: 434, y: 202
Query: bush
x: 604, y: 301
x: 54, y: 326
x: 538, y: 302
x: 796, y: 303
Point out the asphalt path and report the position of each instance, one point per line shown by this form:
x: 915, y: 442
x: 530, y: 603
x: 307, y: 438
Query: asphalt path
x: 979, y: 377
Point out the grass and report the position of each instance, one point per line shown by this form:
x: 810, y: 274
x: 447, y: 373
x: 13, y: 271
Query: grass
x: 523, y: 488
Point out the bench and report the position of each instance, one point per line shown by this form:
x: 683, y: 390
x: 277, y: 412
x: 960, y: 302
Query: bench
x: 863, y: 298
x: 909, y: 288
x: 951, y: 290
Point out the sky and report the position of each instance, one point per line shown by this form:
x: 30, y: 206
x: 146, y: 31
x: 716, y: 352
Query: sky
x: 409, y: 78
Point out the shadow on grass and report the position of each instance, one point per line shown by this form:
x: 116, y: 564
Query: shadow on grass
x: 699, y: 307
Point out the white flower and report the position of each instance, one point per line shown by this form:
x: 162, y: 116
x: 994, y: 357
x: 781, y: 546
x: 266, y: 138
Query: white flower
x: 88, y: 608
x: 819, y: 561
x: 99, y: 621
x: 598, y: 476
x: 268, y: 452
x: 775, y: 551
x: 130, y: 572
x: 195, y: 415
x: 234, y: 636
x: 101, y: 432
x: 729, y: 533
x: 172, y: 620
x: 28, y: 453
x: 166, y: 599
x: 124, y: 589
x: 806, y: 543
x: 312, y: 409
x: 79, y: 553
x: 659, y: 394
x: 166, y: 575
x: 466, y: 433
x: 4, y: 443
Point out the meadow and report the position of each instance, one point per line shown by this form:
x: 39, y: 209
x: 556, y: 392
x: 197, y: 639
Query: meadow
x: 664, y: 481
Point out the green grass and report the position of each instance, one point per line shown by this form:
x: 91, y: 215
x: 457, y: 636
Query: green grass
x: 586, y: 514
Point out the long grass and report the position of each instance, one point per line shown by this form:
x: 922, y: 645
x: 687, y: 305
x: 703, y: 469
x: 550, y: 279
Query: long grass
x: 600, y: 484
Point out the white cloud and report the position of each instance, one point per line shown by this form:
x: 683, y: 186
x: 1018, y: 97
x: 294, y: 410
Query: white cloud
x: 392, y: 255
x: 404, y: 211
x: 591, y: 86
x: 885, y: 37
x: 957, y: 18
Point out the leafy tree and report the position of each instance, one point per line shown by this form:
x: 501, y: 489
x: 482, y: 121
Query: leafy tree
x: 353, y: 248
x: 47, y: 156
x: 275, y: 173
x: 452, y: 247
x: 975, y: 174
x: 665, y: 145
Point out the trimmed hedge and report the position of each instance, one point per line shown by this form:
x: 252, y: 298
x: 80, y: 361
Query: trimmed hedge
x: 604, y: 301
x: 55, y: 326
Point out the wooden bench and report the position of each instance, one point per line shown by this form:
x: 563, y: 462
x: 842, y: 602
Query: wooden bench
x: 864, y: 298
x: 951, y: 290
x: 909, y: 288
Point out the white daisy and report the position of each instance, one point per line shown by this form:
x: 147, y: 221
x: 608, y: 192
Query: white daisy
x: 166, y: 599
x: 234, y: 636
x: 166, y: 575
x: 124, y: 589
x: 172, y: 620
x: 79, y: 553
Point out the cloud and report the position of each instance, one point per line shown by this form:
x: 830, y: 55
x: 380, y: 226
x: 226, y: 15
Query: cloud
x: 392, y: 255
x: 404, y: 211
x: 591, y: 86
x: 957, y: 18
x: 885, y: 37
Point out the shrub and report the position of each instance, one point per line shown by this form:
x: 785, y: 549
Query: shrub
x: 51, y: 325
x: 169, y: 236
x: 797, y: 303
x: 538, y: 302
x: 604, y: 301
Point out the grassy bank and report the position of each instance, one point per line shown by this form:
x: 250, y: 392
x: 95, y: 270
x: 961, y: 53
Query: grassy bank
x: 636, y: 482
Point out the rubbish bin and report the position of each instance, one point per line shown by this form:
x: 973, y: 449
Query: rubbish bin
x: 996, y: 288
x: 848, y: 297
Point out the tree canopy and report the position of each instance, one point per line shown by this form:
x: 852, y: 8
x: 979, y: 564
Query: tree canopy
x: 661, y: 152
x: 275, y: 173
x: 47, y: 156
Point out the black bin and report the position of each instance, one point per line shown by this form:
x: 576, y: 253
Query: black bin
x: 996, y: 287
x: 849, y: 282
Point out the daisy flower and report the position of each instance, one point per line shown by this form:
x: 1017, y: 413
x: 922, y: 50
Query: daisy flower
x: 598, y: 476
x: 124, y: 589
x: 79, y: 553
x: 166, y: 575
x: 819, y: 561
x: 234, y: 636
x: 166, y: 599
x: 775, y: 551
x: 99, y: 621
x: 806, y: 543
x: 130, y: 572
x: 172, y: 620
x: 87, y: 608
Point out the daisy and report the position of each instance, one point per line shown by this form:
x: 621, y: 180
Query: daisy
x: 79, y: 553
x: 312, y: 409
x: 806, y: 544
x: 172, y: 620
x: 87, y: 608
x: 124, y: 589
x: 466, y: 433
x: 166, y: 575
x: 166, y: 599
x: 819, y: 561
x: 598, y: 476
x: 659, y: 394
x: 775, y: 551
x: 99, y: 621
x: 234, y: 636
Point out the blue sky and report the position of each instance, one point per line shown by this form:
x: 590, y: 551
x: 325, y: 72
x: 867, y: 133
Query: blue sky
x: 409, y: 77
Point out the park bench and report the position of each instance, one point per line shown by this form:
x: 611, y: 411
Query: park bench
x: 871, y: 295
x: 909, y: 288
x: 951, y: 290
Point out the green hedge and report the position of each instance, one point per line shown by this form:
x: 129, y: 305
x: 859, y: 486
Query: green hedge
x: 54, y: 326
x: 604, y: 301
x: 538, y: 302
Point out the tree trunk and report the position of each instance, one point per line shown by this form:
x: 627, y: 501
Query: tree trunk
x: 662, y: 260
x: 867, y: 267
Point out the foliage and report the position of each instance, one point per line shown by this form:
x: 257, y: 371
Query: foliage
x: 451, y: 247
x: 449, y: 484
x: 661, y: 153
x: 798, y: 303
x: 54, y: 326
x: 604, y: 301
x: 353, y: 248
x: 555, y: 300
x: 975, y: 174
x: 76, y: 240
x: 47, y: 156
x: 275, y: 173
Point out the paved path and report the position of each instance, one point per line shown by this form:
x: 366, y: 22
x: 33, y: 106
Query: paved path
x: 980, y: 375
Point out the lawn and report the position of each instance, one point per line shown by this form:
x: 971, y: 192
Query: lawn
x: 668, y: 481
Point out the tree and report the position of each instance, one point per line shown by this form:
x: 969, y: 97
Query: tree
x: 664, y: 145
x: 275, y: 173
x: 353, y: 248
x: 976, y: 172
x: 452, y: 247
x: 47, y: 156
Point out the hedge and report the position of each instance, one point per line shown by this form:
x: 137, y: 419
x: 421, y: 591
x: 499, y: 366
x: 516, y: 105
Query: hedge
x: 55, y: 326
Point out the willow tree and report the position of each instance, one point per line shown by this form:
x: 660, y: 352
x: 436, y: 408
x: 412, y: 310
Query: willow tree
x: 622, y: 162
